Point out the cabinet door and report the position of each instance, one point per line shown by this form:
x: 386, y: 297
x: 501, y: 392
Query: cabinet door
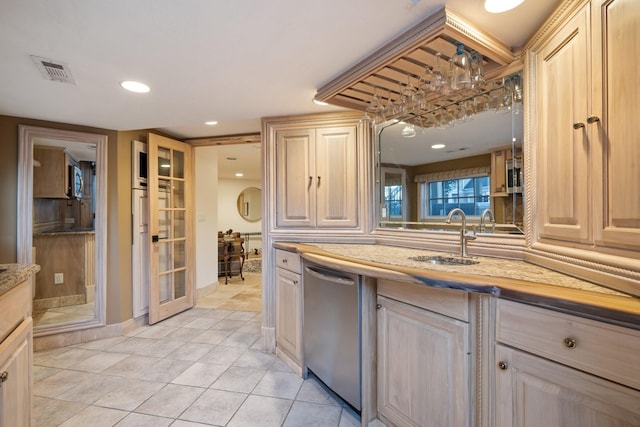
x: 288, y: 314
x: 295, y: 178
x: 423, y: 367
x: 563, y: 151
x: 533, y: 392
x: 616, y: 72
x: 336, y: 177
x: 15, y: 371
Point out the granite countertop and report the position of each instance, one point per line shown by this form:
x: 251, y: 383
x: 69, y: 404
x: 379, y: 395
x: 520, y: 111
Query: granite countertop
x: 11, y: 275
x: 65, y: 232
x: 514, y: 279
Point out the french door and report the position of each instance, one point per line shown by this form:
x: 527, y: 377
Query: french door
x: 171, y: 285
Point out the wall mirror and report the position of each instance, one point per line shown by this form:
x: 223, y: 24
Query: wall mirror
x: 249, y: 204
x: 467, y: 154
x: 63, y: 231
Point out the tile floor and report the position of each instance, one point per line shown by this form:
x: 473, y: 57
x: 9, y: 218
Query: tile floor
x: 199, y: 368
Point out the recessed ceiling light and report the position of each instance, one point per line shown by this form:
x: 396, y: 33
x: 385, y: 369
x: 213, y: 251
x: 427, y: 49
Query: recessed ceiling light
x: 211, y: 123
x: 318, y: 102
x: 437, y: 146
x: 135, y: 86
x: 239, y: 174
x: 499, y: 6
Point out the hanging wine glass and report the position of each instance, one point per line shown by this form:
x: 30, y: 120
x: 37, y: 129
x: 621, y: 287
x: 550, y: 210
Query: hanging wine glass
x: 476, y: 70
x: 375, y: 109
x: 442, y: 76
x: 460, y: 68
x: 408, y: 96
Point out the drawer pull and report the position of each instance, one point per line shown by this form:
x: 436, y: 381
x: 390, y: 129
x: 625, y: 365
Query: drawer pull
x: 284, y: 261
x: 570, y: 342
x: 578, y: 125
x: 4, y: 376
x: 378, y: 306
x: 503, y: 365
x: 593, y: 119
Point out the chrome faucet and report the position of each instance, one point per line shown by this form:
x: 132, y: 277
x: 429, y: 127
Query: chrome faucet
x: 483, y: 225
x: 463, y: 230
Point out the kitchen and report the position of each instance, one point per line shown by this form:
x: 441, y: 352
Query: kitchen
x: 117, y: 313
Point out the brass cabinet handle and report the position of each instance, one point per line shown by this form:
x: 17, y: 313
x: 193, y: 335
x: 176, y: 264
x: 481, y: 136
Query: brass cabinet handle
x: 318, y: 180
x: 593, y: 119
x: 570, y: 342
x: 503, y: 365
x: 378, y: 306
x: 4, y: 376
x: 578, y: 125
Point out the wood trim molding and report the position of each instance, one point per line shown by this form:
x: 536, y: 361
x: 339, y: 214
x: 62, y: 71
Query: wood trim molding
x: 249, y: 138
x: 555, y: 20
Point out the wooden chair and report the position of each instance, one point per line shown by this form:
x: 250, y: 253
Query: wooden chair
x: 230, y: 255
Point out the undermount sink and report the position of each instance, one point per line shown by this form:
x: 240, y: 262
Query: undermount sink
x: 444, y: 260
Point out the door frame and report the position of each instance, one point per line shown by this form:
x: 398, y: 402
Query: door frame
x: 26, y: 136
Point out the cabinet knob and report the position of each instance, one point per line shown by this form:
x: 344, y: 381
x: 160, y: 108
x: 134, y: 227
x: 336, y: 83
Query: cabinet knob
x: 284, y: 261
x: 578, y: 125
x: 378, y: 306
x: 593, y: 119
x: 570, y: 342
x: 4, y: 376
x: 503, y: 365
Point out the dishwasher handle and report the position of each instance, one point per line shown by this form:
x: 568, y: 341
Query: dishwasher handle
x: 333, y: 278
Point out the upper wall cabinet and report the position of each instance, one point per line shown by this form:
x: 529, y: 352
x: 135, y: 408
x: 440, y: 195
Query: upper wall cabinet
x: 317, y: 165
x: 584, y: 129
x: 403, y: 62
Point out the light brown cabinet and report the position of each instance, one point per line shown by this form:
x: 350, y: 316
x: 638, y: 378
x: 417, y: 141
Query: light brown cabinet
x: 289, y: 308
x: 586, y: 112
x: 558, y: 370
x: 423, y: 356
x: 51, y: 178
x: 16, y: 351
x: 317, y: 177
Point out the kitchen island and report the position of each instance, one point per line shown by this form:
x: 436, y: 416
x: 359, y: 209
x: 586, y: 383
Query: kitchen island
x: 476, y: 345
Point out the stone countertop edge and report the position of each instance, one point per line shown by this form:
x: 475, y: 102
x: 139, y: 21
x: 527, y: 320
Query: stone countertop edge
x: 63, y: 232
x: 15, y: 274
x: 573, y: 296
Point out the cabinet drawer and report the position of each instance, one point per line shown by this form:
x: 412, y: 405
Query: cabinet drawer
x: 605, y: 350
x: 288, y: 260
x: 449, y: 302
x: 15, y: 306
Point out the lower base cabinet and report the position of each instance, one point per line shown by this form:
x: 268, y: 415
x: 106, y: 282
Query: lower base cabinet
x: 289, y: 309
x: 423, y: 367
x: 532, y: 392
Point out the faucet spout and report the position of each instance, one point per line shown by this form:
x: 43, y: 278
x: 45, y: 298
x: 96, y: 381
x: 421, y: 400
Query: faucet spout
x: 464, y: 236
x: 487, y: 212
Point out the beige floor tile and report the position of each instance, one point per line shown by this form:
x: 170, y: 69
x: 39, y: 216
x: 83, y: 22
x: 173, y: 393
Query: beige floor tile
x: 95, y: 417
x: 200, y: 375
x: 261, y: 411
x: 144, y: 420
x: 279, y: 384
x: 129, y: 394
x: 171, y: 401
x: 313, y: 414
x: 242, y: 380
x: 51, y: 413
x: 214, y: 407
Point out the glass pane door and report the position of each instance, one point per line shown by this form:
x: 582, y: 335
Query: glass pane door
x: 171, y: 285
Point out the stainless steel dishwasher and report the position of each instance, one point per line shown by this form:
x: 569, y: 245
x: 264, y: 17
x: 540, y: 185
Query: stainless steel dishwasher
x: 331, y: 330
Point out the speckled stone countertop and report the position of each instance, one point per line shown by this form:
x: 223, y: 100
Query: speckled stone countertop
x: 514, y: 279
x: 14, y: 275
x: 65, y: 232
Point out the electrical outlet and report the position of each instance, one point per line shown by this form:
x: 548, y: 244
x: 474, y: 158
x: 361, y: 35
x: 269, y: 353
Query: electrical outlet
x: 58, y: 278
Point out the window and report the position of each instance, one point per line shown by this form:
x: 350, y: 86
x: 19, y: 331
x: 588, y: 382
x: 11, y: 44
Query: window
x: 393, y: 201
x: 470, y: 194
x: 394, y: 194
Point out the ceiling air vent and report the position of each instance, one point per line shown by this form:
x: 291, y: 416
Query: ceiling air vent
x: 54, y: 70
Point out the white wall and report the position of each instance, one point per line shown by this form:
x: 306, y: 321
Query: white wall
x: 228, y: 215
x: 206, y: 226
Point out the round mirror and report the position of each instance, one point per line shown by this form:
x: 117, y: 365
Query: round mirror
x: 249, y: 204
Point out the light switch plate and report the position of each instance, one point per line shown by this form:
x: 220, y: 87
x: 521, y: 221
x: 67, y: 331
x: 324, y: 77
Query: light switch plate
x: 58, y: 278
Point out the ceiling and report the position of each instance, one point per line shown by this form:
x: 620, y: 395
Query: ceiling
x: 233, y: 62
